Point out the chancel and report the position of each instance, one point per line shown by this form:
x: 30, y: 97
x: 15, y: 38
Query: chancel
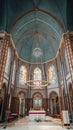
x: 36, y: 60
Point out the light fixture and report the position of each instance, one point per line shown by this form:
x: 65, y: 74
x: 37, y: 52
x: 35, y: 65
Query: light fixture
x: 37, y: 74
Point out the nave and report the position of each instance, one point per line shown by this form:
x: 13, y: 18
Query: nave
x: 25, y: 124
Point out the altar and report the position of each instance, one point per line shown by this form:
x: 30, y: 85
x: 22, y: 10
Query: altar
x: 35, y: 115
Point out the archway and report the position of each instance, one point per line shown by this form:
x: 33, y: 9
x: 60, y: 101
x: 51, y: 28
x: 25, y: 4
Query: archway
x: 37, y: 101
x: 21, y: 97
x: 65, y: 99
x: 3, y: 102
x: 71, y: 94
x: 54, y: 103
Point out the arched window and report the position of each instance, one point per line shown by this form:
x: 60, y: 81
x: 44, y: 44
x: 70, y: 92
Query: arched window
x: 22, y: 75
x: 14, y: 70
x: 7, y: 67
x: 37, y: 76
x: 52, y: 74
x: 67, y: 64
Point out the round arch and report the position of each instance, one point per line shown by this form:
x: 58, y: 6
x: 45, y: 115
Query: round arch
x: 54, y: 103
x: 21, y: 96
x: 70, y: 89
x: 37, y: 100
x: 3, y: 101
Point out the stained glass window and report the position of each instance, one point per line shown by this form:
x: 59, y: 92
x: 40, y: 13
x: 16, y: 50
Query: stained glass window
x: 7, y: 67
x: 37, y: 76
x: 14, y: 70
x: 22, y: 75
x: 52, y: 74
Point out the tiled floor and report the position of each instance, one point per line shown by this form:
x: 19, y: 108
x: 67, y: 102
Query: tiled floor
x: 25, y: 124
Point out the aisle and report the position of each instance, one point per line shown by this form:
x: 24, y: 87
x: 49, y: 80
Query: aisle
x: 25, y: 124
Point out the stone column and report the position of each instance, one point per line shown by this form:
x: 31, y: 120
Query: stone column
x: 68, y: 41
x: 61, y: 97
x: 3, y: 58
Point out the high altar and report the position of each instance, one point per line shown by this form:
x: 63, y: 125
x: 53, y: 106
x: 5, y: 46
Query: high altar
x: 35, y: 115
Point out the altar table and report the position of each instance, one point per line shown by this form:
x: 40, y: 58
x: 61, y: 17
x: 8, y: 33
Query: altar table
x: 35, y: 115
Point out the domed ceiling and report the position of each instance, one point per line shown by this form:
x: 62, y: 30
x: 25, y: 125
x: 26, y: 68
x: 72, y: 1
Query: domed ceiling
x: 36, y: 27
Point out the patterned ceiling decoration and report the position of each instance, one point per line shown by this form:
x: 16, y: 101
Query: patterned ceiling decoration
x: 49, y: 36
x: 50, y: 19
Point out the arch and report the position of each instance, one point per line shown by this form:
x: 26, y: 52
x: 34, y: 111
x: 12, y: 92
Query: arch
x: 54, y: 103
x: 53, y: 92
x: 4, y: 90
x: 36, y: 93
x: 37, y: 101
x: 3, y: 101
x: 70, y: 89
x: 21, y: 96
x: 19, y: 35
x: 10, y: 97
x: 40, y: 10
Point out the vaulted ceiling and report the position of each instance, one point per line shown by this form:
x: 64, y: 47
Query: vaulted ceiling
x: 36, y: 26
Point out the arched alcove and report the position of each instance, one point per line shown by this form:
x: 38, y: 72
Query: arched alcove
x: 21, y: 96
x: 3, y: 101
x: 37, y: 101
x: 70, y: 94
x: 54, y: 103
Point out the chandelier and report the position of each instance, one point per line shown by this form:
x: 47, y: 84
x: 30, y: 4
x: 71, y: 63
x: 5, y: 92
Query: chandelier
x: 37, y: 74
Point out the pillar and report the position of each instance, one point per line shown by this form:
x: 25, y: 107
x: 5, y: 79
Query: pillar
x: 3, y: 57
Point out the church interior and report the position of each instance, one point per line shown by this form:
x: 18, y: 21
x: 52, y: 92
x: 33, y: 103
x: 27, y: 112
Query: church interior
x: 36, y: 57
